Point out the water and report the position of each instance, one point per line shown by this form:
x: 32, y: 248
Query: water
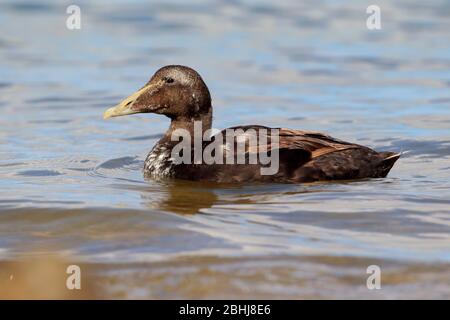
x: 71, y: 184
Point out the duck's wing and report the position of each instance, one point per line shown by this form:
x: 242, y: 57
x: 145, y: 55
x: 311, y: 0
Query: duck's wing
x: 311, y: 144
x: 316, y: 143
x: 303, y: 156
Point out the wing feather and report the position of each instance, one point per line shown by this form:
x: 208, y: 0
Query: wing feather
x: 312, y: 142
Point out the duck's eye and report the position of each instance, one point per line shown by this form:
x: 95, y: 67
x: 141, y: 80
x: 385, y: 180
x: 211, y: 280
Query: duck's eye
x: 169, y: 80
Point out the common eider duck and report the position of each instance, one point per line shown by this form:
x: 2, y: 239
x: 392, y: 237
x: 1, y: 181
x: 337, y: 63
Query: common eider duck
x: 179, y: 93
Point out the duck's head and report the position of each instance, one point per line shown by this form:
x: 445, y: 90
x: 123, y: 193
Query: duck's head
x: 175, y: 91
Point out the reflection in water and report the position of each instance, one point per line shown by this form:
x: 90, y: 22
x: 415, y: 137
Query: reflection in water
x: 182, y: 197
x: 71, y: 183
x: 187, y: 197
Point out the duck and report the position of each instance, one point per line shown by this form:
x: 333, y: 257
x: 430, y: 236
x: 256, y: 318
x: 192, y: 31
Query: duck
x: 179, y: 93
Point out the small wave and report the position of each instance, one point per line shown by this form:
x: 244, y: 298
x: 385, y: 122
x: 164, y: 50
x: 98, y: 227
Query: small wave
x: 39, y: 173
x: 118, y: 163
x: 425, y: 148
x: 115, y: 168
x: 147, y: 137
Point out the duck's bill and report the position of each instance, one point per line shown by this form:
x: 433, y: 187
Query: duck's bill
x: 117, y: 111
x: 125, y: 107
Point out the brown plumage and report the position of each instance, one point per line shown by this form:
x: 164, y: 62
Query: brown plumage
x: 304, y: 156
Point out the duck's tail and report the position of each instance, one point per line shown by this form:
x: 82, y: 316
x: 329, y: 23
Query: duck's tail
x: 388, y: 160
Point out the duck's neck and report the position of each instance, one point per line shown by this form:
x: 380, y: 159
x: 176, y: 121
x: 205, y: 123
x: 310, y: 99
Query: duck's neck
x: 190, y: 124
x: 159, y: 161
